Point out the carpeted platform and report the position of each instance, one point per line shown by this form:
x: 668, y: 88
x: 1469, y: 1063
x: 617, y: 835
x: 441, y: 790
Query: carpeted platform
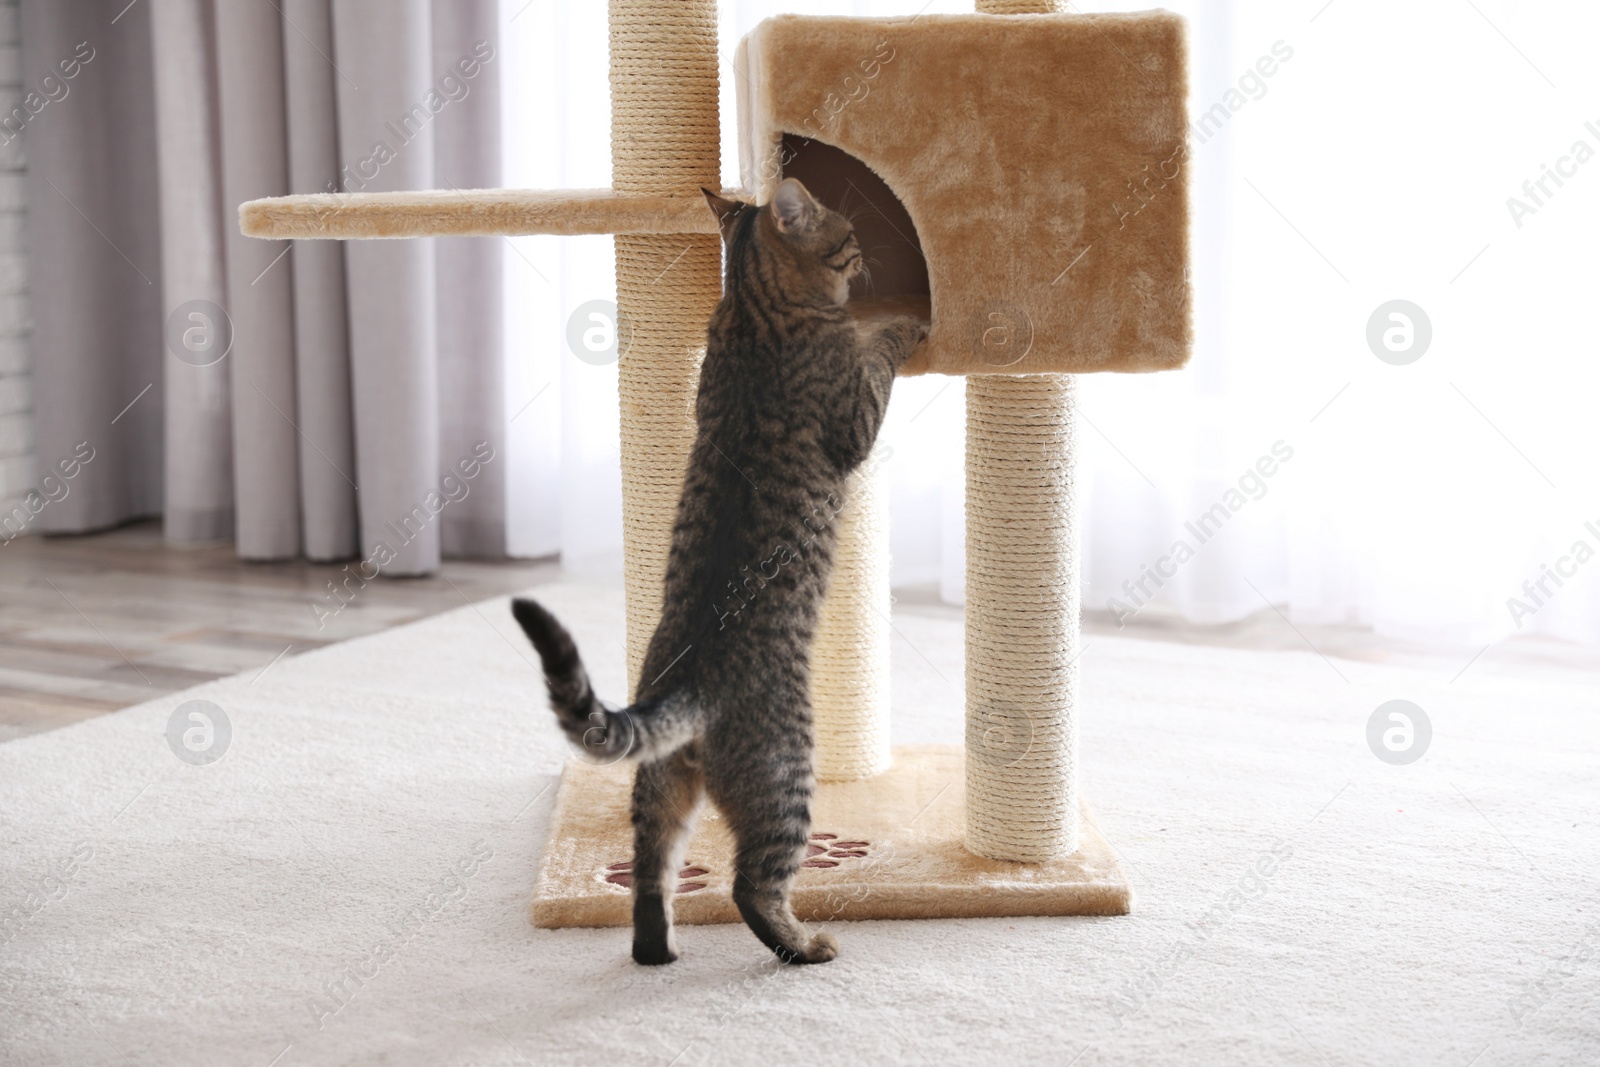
x: 351, y: 882
x: 887, y: 847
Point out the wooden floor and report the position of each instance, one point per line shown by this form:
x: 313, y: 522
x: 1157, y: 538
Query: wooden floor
x: 95, y: 623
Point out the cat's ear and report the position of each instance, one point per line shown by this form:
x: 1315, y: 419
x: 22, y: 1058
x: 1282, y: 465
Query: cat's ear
x: 794, y: 209
x: 725, y: 210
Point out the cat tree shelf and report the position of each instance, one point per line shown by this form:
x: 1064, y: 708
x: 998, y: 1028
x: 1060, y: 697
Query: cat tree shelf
x: 473, y: 213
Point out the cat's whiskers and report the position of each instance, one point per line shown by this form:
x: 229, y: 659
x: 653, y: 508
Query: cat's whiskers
x: 864, y: 274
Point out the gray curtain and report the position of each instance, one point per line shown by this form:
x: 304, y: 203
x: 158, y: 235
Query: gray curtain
x: 198, y: 435
x: 307, y: 400
x: 96, y: 265
x: 467, y: 155
x: 321, y: 321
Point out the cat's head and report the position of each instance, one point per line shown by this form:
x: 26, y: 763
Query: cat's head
x: 812, y: 250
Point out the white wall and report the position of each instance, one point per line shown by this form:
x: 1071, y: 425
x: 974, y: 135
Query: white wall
x: 16, y: 394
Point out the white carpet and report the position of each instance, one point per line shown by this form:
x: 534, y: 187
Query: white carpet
x: 1424, y: 914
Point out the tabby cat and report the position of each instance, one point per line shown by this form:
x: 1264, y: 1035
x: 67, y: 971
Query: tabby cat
x: 790, y: 402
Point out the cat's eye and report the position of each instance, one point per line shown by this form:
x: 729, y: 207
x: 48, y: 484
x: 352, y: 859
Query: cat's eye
x: 846, y: 248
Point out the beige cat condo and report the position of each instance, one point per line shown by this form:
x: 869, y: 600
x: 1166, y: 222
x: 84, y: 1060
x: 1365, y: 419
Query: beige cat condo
x: 1019, y: 174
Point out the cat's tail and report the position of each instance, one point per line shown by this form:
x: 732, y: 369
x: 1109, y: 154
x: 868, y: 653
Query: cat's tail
x: 646, y: 730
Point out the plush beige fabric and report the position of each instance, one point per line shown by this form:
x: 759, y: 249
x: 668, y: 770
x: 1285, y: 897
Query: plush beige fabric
x: 1042, y: 159
x: 473, y: 213
x: 895, y: 852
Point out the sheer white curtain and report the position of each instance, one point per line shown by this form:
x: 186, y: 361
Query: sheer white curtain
x: 565, y: 472
x: 1356, y: 153
x: 1375, y: 164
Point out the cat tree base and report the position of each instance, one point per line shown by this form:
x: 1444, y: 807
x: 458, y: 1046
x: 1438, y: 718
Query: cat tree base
x: 894, y: 843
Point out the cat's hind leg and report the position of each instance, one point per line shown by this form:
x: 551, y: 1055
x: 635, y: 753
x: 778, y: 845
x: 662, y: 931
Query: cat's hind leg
x: 666, y: 795
x: 771, y: 821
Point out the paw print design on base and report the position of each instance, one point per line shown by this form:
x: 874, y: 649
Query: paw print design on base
x: 822, y: 851
x: 826, y: 850
x: 621, y: 874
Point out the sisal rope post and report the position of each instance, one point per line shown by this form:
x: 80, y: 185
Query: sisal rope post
x: 1020, y: 7
x: 1022, y: 617
x: 1022, y: 605
x: 665, y: 140
x: 850, y: 654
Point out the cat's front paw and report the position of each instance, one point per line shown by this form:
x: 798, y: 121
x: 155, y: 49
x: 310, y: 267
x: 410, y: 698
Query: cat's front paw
x: 907, y: 332
x: 913, y: 329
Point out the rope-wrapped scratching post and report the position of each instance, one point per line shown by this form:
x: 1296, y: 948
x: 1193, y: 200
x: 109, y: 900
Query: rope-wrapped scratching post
x: 664, y: 140
x: 850, y: 654
x: 1022, y: 606
x: 1022, y: 617
x: 1019, y: 7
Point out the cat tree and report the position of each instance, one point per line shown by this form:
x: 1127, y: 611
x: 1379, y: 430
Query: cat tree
x: 1032, y: 167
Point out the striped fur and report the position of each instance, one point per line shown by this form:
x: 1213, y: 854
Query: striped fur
x: 790, y: 402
